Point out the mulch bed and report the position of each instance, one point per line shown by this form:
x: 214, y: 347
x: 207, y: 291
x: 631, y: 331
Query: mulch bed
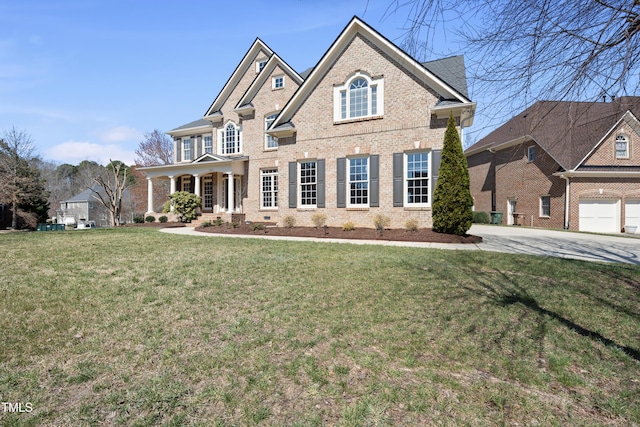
x: 421, y: 235
x: 156, y: 224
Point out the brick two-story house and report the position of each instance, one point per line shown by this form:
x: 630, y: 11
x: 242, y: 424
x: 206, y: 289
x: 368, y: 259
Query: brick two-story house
x: 357, y: 135
x: 573, y: 165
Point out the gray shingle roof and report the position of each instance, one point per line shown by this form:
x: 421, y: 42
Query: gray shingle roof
x: 193, y: 124
x: 452, y: 71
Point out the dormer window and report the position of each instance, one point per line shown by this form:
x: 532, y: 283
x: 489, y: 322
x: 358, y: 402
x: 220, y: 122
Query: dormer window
x: 360, y: 97
x: 622, y: 147
x: 230, y: 138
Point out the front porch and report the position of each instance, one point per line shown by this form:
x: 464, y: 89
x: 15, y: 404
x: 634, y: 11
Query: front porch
x: 219, y: 182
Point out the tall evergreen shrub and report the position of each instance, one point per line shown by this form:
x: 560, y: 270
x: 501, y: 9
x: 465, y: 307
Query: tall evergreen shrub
x: 452, y: 202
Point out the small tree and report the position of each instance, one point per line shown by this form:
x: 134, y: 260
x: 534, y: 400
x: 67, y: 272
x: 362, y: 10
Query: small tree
x: 113, y: 183
x: 452, y: 199
x: 185, y: 205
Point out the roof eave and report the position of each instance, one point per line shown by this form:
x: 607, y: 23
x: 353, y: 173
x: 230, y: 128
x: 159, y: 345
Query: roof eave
x: 189, y: 131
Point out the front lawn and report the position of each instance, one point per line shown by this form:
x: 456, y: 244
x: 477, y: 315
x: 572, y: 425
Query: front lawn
x: 136, y: 327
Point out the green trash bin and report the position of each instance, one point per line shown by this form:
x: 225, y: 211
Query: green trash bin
x: 496, y: 217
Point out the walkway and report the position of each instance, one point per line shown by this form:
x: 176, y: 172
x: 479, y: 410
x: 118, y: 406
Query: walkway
x: 519, y: 240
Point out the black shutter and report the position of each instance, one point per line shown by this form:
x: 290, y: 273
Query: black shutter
x: 199, y: 146
x: 178, y: 150
x: 321, y: 186
x: 341, y: 175
x: 374, y: 181
x: 293, y: 172
x: 435, y: 169
x: 398, y: 163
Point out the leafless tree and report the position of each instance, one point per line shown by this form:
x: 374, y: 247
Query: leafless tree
x: 524, y: 51
x: 156, y: 149
x: 113, y: 183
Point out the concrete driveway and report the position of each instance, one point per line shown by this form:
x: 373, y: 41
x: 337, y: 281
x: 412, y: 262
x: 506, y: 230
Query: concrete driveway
x: 562, y: 244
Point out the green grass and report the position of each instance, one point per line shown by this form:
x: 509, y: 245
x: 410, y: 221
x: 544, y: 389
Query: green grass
x: 137, y: 327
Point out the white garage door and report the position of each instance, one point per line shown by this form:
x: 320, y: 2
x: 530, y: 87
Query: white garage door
x: 600, y: 215
x: 632, y: 213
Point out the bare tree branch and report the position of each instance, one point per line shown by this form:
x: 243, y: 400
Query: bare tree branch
x: 156, y: 149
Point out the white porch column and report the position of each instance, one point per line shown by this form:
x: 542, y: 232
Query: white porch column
x: 231, y: 193
x: 197, y: 185
x: 149, y: 195
x: 173, y: 188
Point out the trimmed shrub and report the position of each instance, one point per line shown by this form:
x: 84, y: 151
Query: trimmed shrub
x: 319, y: 220
x: 150, y: 218
x: 205, y: 224
x: 348, y: 226
x: 289, y: 221
x: 381, y: 222
x: 138, y: 219
x: 452, y: 202
x: 185, y: 205
x: 257, y: 226
x: 411, y: 224
x: 480, y: 217
x: 163, y: 219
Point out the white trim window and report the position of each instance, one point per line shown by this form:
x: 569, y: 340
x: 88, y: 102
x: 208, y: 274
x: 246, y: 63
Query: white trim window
x: 545, y: 206
x: 270, y: 142
x: 622, y: 147
x: 230, y: 138
x: 277, y: 82
x: 308, y: 184
x: 187, y: 149
x: 186, y: 184
x: 208, y: 144
x: 361, y: 96
x: 417, y: 179
x: 269, y: 188
x: 358, y: 185
x: 260, y: 65
x: 531, y: 154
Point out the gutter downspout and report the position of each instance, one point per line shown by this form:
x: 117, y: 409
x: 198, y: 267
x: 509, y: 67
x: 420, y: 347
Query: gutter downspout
x: 567, y: 194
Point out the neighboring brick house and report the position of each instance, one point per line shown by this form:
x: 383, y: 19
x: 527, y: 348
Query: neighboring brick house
x: 358, y: 135
x: 573, y: 165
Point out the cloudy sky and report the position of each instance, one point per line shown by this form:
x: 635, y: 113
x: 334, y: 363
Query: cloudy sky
x: 86, y: 79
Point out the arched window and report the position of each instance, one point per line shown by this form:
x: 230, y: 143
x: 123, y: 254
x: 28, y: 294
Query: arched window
x: 360, y: 96
x: 622, y: 147
x: 230, y: 139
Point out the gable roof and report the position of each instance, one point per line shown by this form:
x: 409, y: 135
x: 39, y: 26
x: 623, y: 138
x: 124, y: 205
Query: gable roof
x: 88, y: 195
x: 567, y: 130
x: 233, y: 81
x: 260, y: 79
x: 357, y: 26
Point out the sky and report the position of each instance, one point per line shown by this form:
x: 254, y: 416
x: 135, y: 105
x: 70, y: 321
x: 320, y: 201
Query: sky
x: 87, y: 79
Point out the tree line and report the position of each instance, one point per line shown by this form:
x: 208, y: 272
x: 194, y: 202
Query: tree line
x: 31, y: 188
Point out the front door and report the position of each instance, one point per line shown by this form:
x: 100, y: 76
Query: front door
x: 207, y: 193
x: 511, y: 208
